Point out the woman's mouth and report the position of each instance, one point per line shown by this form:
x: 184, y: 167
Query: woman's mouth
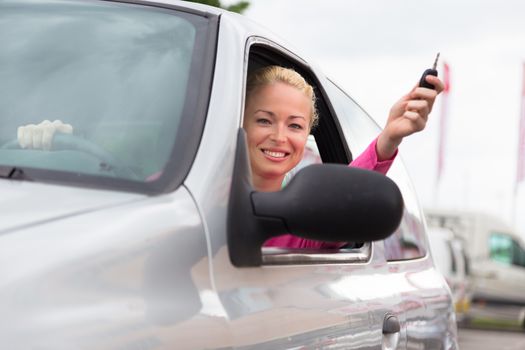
x: 274, y: 154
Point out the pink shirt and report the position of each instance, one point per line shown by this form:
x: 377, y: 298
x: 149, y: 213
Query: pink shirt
x: 366, y: 160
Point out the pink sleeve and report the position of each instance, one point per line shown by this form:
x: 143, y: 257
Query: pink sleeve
x: 368, y: 160
x: 291, y: 241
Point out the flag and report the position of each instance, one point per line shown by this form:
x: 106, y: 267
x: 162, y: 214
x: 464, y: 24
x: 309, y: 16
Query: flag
x: 443, y: 121
x: 520, y: 175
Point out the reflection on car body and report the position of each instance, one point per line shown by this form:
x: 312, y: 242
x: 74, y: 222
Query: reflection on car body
x: 97, y: 253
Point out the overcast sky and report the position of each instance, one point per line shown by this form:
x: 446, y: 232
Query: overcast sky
x: 377, y: 50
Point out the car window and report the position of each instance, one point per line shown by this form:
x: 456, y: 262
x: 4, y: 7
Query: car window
x: 359, y: 129
x: 501, y: 248
x: 407, y: 242
x: 324, y: 145
x: 120, y: 75
x: 504, y: 249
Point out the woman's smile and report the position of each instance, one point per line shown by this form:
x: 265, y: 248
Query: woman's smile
x: 278, y: 155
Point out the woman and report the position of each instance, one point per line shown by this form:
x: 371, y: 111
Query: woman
x: 279, y: 115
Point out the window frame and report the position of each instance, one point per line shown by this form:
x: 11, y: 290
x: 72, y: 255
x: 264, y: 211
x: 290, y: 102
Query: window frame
x: 260, y: 52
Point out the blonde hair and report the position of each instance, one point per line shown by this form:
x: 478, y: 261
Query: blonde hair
x: 272, y: 74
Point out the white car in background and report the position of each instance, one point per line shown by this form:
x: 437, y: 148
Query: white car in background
x: 496, y: 262
x: 142, y: 230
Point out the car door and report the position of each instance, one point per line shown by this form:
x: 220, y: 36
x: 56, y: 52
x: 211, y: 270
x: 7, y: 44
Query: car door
x: 309, y: 299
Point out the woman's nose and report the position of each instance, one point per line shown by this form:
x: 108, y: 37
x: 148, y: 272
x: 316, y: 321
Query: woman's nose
x: 278, y: 135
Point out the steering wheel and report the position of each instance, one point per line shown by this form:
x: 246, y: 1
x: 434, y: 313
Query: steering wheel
x: 70, y: 142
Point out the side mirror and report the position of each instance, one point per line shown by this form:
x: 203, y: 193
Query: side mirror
x: 326, y: 202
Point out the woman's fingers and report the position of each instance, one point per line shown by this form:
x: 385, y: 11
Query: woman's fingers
x: 419, y: 106
x: 415, y: 122
x: 410, y: 113
x: 436, y: 82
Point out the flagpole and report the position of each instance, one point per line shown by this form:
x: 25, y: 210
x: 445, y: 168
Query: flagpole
x: 520, y: 169
x: 442, y: 131
x: 515, y: 205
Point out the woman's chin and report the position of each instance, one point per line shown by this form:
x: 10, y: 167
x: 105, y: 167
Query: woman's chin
x: 276, y: 173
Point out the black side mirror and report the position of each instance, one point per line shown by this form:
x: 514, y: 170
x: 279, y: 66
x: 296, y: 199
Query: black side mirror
x: 326, y: 202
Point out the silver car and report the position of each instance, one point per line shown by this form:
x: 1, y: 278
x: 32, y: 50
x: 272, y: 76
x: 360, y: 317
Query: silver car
x: 141, y: 230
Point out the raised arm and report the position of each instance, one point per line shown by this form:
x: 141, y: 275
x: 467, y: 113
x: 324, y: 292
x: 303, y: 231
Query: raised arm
x: 407, y: 116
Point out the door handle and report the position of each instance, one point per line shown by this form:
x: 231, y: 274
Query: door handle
x: 391, y: 330
x: 391, y: 324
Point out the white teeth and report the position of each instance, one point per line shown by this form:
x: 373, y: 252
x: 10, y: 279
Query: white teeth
x: 275, y: 154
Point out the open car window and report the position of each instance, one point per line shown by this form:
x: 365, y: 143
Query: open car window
x: 325, y: 144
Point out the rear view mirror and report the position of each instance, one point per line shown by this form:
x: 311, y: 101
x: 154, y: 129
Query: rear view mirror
x: 326, y: 202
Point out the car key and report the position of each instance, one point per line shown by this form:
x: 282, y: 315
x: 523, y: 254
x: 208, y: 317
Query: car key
x: 431, y: 71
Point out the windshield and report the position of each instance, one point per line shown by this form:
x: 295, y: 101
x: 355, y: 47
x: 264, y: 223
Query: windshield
x: 119, y: 74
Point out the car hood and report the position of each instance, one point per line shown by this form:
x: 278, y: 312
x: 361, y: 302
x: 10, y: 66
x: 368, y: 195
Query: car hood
x: 24, y: 204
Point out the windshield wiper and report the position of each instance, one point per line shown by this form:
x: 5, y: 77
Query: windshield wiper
x: 13, y: 172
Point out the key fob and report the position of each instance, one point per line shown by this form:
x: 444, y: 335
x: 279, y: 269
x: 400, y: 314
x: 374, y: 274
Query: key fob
x: 423, y: 82
x: 431, y: 71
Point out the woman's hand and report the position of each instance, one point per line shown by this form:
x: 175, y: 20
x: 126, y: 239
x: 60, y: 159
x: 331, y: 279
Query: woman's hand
x: 407, y: 116
x: 41, y: 136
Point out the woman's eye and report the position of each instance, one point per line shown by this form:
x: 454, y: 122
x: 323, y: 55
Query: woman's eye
x: 296, y: 126
x: 263, y: 121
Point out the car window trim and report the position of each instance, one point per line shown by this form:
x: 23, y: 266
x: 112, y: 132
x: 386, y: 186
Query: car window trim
x: 282, y: 256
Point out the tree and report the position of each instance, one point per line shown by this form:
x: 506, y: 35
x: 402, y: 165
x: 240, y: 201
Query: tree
x: 238, y: 7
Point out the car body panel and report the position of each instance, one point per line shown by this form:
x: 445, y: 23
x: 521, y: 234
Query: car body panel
x: 97, y: 286
x: 27, y: 204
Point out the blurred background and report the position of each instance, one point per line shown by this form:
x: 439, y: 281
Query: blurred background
x: 466, y: 165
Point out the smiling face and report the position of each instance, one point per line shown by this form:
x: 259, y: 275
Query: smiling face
x: 277, y: 124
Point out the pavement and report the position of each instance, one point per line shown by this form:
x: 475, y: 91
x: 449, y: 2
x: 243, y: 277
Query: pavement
x: 484, y: 339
